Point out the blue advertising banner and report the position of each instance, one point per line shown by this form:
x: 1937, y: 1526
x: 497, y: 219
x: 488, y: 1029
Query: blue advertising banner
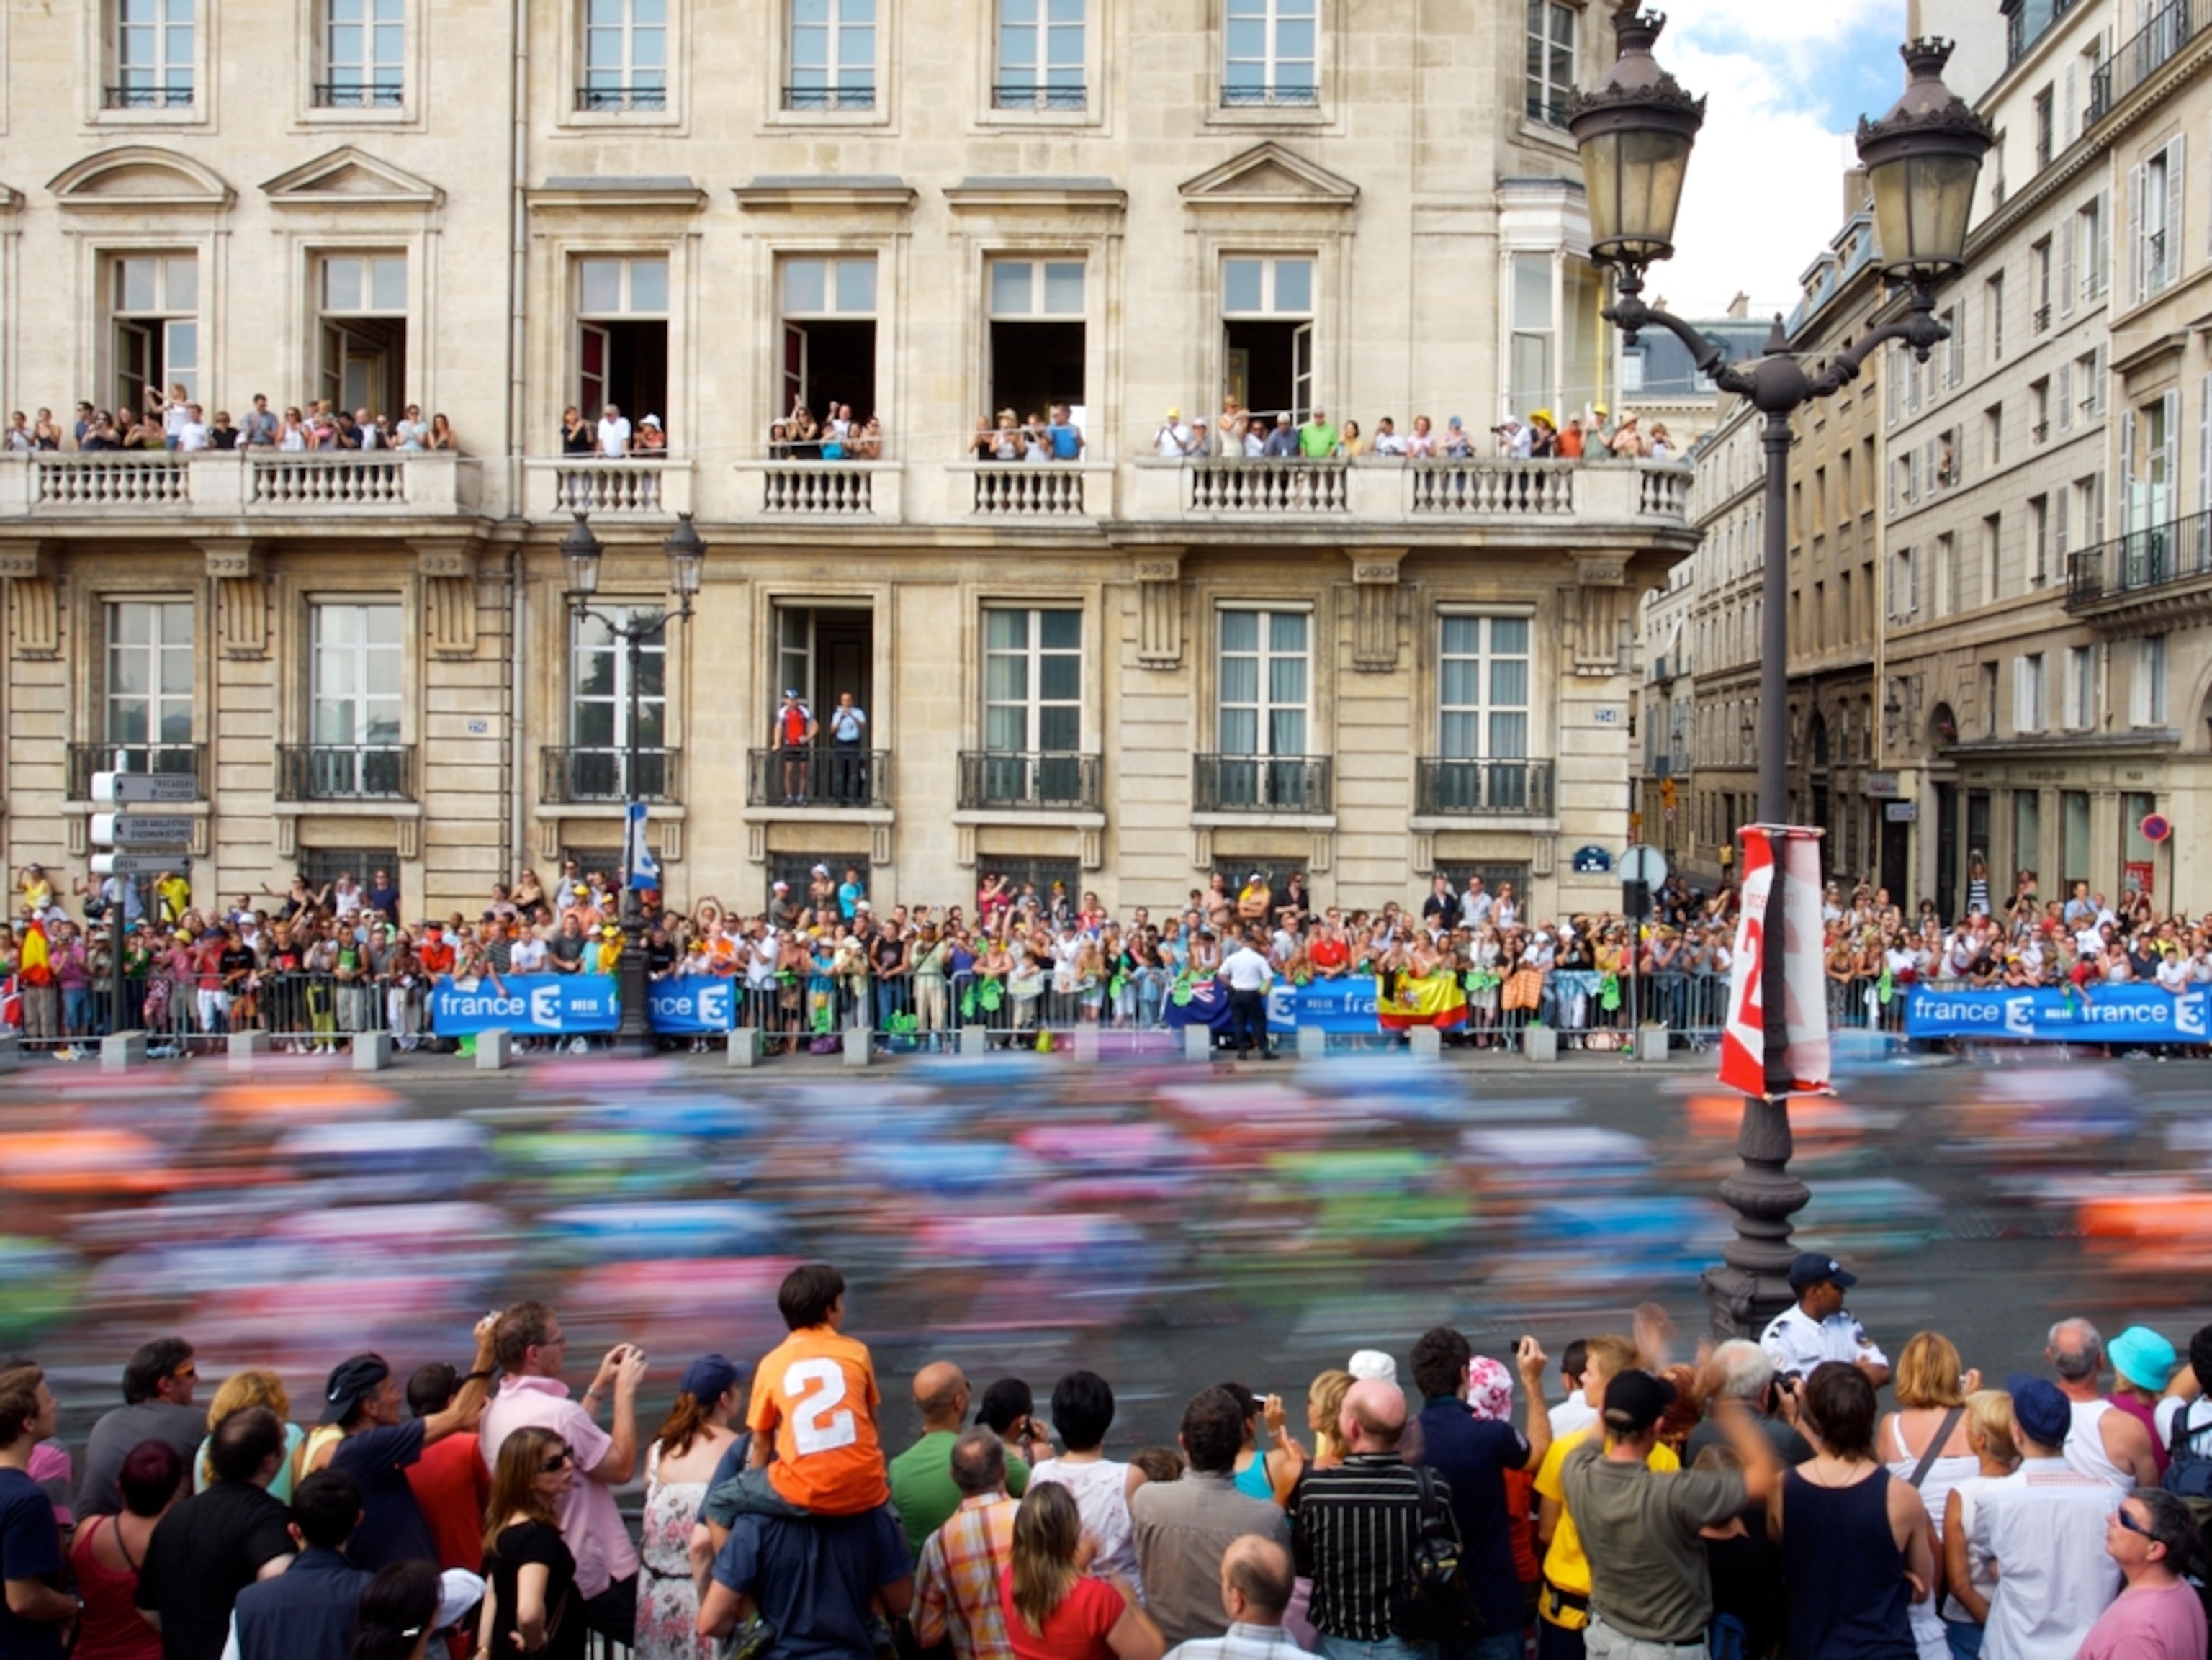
x: 1345, y: 1005
x: 537, y: 1005
x: 2106, y: 1013
x: 693, y: 1005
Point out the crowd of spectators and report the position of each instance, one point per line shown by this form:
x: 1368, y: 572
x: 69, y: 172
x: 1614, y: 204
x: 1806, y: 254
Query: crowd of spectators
x: 835, y: 435
x: 179, y: 424
x: 1749, y: 1502
x: 313, y: 965
x: 1256, y: 435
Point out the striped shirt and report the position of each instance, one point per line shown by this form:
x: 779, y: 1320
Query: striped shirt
x: 1352, y: 1530
x: 956, y: 1591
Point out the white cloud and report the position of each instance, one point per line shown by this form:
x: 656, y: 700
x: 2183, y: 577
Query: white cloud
x: 1765, y: 186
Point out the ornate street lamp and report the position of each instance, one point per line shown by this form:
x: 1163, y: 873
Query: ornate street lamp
x: 581, y: 552
x: 1635, y: 129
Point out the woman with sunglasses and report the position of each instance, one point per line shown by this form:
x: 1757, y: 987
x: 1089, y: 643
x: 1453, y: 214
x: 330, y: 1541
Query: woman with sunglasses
x: 531, y: 1575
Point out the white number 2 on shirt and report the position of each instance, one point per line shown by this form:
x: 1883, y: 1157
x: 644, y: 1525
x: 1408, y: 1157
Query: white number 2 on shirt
x: 819, y: 1424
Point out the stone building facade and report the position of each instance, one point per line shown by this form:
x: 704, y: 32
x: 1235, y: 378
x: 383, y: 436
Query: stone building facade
x: 1125, y: 673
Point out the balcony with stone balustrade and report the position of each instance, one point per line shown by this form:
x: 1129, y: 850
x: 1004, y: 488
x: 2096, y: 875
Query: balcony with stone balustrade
x: 264, y: 488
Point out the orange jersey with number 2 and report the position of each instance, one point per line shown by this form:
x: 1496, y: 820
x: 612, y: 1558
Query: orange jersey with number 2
x: 816, y: 1395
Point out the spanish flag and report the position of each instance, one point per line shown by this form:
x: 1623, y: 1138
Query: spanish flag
x: 1435, y: 1001
x: 34, y: 966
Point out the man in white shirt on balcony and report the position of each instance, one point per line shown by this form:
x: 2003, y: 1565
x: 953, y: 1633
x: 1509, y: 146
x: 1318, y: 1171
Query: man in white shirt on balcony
x: 192, y: 432
x: 614, y: 432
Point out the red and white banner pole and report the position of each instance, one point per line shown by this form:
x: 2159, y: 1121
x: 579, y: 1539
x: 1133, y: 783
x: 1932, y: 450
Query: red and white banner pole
x: 1778, y: 900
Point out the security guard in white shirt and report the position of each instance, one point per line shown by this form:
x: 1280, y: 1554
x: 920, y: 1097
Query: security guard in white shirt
x: 1819, y: 1328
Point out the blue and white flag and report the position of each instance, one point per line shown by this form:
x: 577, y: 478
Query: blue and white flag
x: 644, y: 868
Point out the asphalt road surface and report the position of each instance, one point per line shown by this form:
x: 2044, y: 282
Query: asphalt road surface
x: 1168, y: 1225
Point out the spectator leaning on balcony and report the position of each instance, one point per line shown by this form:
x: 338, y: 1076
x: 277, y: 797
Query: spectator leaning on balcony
x: 1283, y: 442
x: 1317, y: 439
x: 1171, y: 442
x: 18, y: 437
x: 614, y: 432
x: 652, y: 439
x: 1067, y: 443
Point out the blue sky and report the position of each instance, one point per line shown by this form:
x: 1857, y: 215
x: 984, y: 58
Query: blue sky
x: 1785, y: 81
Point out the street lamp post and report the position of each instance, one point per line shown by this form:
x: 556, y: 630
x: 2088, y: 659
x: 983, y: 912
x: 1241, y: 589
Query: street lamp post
x: 687, y: 559
x: 1635, y: 131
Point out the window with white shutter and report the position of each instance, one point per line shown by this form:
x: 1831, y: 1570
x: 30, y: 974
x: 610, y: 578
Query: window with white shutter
x: 2066, y: 398
x: 2073, y: 234
x: 2100, y: 268
x: 2028, y: 692
x: 2204, y: 447
x: 2097, y: 379
x: 2127, y: 470
x: 1955, y: 355
x: 2174, y: 152
x: 2066, y: 132
x: 2138, y: 236
x: 2166, y: 499
x: 1911, y: 476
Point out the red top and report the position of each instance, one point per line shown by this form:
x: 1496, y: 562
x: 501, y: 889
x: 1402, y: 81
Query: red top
x: 452, y: 1488
x: 1076, y: 1630
x: 110, y: 1629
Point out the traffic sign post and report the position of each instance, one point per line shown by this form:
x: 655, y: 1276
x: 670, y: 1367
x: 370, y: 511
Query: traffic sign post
x: 135, y: 789
x: 141, y: 845
x: 140, y: 864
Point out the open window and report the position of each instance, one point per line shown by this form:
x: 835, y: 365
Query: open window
x: 1267, y: 348
x: 828, y: 309
x: 1036, y: 335
x: 156, y: 312
x: 364, y: 331
x: 823, y: 651
x: 622, y: 337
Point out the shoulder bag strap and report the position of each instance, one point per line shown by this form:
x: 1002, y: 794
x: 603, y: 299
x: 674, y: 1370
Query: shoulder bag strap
x: 1935, y: 1446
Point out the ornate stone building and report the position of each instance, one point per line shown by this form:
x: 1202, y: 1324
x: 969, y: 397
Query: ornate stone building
x: 1125, y: 672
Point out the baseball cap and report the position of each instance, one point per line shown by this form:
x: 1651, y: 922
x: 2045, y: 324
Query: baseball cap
x: 349, y: 1380
x: 791, y: 692
x: 2142, y: 1357
x: 1634, y: 1399
x: 783, y: 888
x: 706, y: 1378
x: 1811, y: 1268
x: 2043, y: 1414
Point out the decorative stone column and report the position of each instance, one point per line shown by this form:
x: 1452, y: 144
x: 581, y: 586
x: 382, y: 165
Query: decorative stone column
x: 1375, y: 608
x: 1159, y: 609
x: 35, y: 613
x: 241, y: 595
x: 1600, y: 615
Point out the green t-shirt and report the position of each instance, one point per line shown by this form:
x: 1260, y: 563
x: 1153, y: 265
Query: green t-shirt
x: 1317, y: 439
x: 922, y: 1487
x: 1648, y: 1572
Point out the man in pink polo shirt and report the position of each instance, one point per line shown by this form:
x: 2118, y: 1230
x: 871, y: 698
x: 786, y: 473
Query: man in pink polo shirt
x: 528, y: 1342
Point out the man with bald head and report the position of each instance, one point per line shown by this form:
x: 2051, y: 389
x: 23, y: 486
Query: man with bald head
x: 1354, y: 1528
x: 922, y: 1486
x: 1256, y: 1583
x: 2105, y: 1442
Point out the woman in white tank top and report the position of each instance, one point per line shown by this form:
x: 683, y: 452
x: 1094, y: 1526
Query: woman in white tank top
x: 1931, y: 1394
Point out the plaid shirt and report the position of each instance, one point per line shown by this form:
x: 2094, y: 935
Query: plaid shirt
x: 956, y: 1588
x: 1242, y: 1642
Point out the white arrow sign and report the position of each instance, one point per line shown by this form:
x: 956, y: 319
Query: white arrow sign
x: 130, y: 789
x: 139, y: 864
x: 141, y: 830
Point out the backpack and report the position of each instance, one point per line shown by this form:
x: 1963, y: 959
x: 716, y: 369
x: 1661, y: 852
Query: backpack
x: 1432, y: 1603
x: 2189, y: 1475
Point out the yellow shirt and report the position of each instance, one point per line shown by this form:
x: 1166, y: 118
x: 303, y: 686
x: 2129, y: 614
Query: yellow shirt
x: 1566, y: 1568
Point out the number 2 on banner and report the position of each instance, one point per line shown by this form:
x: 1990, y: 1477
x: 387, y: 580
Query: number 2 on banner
x: 819, y: 1424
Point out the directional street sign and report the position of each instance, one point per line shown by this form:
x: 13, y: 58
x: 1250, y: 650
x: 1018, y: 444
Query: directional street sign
x: 141, y: 829
x: 1644, y: 865
x: 132, y: 788
x: 139, y: 864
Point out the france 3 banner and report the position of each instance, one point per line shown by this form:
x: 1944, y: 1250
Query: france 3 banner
x: 534, y: 1005
x: 2105, y: 1014
x: 1345, y: 1005
x: 1743, y: 1041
